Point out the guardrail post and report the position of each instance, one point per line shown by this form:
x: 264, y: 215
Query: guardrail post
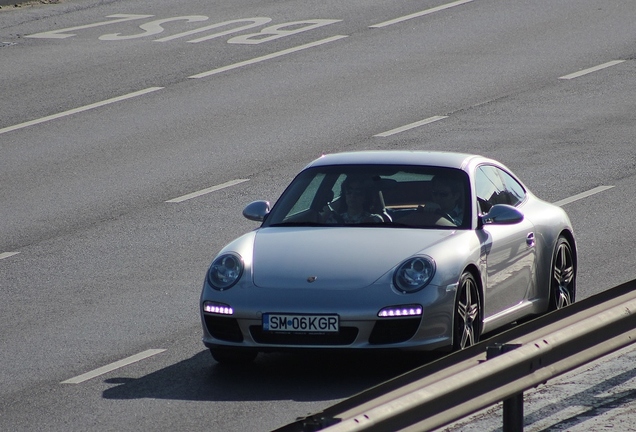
x: 513, y: 406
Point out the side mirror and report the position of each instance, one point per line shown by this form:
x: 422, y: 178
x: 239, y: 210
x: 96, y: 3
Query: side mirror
x: 256, y: 210
x: 501, y: 214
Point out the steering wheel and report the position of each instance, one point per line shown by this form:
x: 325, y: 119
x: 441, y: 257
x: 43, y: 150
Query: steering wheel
x: 446, y: 216
x: 335, y: 214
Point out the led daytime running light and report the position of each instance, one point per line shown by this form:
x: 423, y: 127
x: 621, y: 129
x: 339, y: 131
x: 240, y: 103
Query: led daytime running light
x: 400, y: 311
x: 217, y: 308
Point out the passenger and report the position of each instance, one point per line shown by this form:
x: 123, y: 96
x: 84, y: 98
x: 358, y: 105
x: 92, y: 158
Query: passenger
x: 353, y: 205
x: 445, y: 209
x: 446, y: 194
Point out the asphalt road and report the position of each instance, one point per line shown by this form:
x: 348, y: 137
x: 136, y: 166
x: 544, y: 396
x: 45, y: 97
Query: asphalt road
x: 111, y: 109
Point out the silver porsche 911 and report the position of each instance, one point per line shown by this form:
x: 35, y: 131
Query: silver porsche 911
x: 388, y: 250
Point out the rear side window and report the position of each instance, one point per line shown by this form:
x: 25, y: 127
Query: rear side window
x: 496, y: 186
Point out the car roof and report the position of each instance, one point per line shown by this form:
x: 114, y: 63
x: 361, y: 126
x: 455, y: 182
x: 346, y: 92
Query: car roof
x: 397, y: 157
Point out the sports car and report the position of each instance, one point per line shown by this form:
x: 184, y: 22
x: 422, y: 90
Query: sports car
x: 400, y: 250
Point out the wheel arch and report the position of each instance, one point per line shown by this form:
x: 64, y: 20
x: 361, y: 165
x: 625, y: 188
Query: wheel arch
x: 569, y: 236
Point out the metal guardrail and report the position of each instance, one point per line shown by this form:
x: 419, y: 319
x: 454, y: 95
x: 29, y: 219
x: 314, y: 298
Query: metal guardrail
x: 467, y: 381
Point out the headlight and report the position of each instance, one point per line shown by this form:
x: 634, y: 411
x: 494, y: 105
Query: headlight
x: 225, y: 271
x: 414, y: 274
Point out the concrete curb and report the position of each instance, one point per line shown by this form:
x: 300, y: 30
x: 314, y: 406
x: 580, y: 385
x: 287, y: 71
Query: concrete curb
x: 18, y: 2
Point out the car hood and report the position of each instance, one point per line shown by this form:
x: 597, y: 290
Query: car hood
x: 335, y: 258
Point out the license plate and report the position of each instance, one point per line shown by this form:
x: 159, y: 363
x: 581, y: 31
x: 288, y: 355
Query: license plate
x: 300, y: 323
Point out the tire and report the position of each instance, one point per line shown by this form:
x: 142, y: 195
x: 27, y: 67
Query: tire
x: 233, y: 356
x: 467, y: 314
x: 562, y: 276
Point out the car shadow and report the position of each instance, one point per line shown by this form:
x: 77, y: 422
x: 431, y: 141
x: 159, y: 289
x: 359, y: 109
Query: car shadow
x: 306, y: 376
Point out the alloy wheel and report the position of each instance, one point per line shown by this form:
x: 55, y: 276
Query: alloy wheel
x: 563, y: 276
x: 467, y: 314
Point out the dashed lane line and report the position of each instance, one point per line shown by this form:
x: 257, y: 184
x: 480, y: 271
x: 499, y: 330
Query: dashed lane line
x: 582, y: 195
x: 590, y: 70
x: 4, y: 255
x: 420, y: 14
x: 113, y: 366
x: 206, y: 191
x: 268, y: 56
x: 410, y: 126
x: 80, y: 109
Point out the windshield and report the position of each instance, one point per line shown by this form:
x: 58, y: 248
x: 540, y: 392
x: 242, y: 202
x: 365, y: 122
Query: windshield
x: 375, y: 195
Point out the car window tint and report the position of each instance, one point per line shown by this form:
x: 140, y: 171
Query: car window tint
x: 516, y: 191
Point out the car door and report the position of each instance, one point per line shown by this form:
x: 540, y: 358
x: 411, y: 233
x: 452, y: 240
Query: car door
x: 508, y: 250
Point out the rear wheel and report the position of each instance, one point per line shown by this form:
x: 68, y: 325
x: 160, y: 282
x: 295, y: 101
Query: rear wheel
x: 467, y: 325
x: 562, y: 276
x: 233, y: 356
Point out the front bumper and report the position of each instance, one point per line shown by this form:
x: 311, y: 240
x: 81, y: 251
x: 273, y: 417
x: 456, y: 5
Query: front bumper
x: 360, y: 326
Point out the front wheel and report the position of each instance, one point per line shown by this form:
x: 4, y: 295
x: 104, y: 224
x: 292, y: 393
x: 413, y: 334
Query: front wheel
x: 562, y: 276
x: 467, y: 320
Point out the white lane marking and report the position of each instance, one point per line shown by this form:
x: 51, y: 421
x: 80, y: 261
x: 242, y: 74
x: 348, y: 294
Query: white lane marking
x: 111, y: 367
x: 4, y: 255
x: 419, y: 14
x: 582, y: 195
x: 592, y: 69
x: 80, y: 109
x: 267, y: 57
x: 411, y: 126
x: 206, y: 191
